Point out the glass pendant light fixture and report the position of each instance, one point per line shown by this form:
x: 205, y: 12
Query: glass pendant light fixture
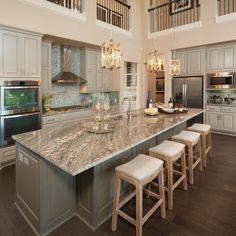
x: 174, y: 66
x: 111, y: 53
x: 154, y: 62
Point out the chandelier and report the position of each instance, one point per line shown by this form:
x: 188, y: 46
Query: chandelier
x: 174, y: 67
x: 154, y: 62
x: 111, y: 53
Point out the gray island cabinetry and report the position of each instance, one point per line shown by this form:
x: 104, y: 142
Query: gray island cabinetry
x: 67, y: 171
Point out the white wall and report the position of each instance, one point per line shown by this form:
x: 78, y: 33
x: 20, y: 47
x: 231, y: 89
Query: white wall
x: 135, y: 45
x: 209, y: 32
x: 23, y: 14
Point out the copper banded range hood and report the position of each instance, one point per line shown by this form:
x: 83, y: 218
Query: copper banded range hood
x: 66, y: 76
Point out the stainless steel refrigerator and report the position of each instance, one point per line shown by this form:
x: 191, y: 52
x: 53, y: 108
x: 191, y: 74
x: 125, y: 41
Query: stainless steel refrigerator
x: 189, y: 92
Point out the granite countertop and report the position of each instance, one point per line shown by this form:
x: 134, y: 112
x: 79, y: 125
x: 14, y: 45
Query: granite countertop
x: 233, y: 104
x: 75, y: 150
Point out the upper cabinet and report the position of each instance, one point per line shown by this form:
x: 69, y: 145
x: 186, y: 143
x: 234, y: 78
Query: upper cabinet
x: 20, y: 54
x: 46, y: 67
x: 131, y: 74
x: 221, y: 58
x: 98, y: 79
x: 191, y: 61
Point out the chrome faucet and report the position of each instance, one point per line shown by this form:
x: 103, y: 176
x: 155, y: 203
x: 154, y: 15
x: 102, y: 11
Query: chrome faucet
x: 128, y: 113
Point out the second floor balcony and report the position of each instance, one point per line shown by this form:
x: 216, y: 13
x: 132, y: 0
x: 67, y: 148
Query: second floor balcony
x: 173, y: 13
x: 115, y: 12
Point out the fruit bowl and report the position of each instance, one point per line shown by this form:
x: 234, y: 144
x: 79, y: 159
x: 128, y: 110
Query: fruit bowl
x: 151, y: 111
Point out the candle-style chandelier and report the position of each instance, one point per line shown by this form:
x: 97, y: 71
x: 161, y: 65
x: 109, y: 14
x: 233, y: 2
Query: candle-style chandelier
x: 174, y: 65
x: 111, y: 53
x: 154, y: 62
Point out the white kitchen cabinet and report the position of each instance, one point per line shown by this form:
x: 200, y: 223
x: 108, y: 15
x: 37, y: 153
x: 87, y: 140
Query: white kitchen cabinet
x: 7, y: 155
x: 221, y: 118
x: 20, y: 54
x: 221, y: 58
x: 191, y: 61
x: 182, y: 56
x: 98, y: 79
x: 46, y: 67
x: 131, y: 75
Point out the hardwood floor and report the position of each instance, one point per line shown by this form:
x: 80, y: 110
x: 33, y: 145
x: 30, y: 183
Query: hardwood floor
x: 207, y: 208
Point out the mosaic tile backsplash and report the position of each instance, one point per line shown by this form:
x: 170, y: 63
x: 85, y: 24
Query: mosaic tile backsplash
x: 222, y: 93
x: 69, y: 95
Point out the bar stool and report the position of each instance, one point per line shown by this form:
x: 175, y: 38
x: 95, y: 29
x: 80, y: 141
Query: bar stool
x: 192, y: 141
x: 205, y: 131
x: 170, y: 152
x: 138, y: 172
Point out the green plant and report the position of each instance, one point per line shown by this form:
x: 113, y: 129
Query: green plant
x: 46, y: 99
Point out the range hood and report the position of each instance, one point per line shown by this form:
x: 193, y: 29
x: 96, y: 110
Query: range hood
x: 66, y: 76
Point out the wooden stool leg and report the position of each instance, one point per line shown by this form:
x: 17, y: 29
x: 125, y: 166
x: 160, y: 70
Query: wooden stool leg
x: 162, y: 194
x: 170, y: 184
x: 183, y: 167
x: 210, y: 144
x: 190, y: 163
x: 116, y: 201
x: 204, y: 150
x: 139, y: 209
x: 200, y: 154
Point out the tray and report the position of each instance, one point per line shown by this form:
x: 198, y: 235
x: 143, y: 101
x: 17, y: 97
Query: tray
x: 175, y: 112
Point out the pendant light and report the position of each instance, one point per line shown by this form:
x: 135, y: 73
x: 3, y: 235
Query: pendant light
x: 111, y: 53
x: 174, y: 66
x: 154, y: 63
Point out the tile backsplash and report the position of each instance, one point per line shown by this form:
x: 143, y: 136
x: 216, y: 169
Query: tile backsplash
x: 222, y: 93
x: 69, y: 95
x: 57, y: 56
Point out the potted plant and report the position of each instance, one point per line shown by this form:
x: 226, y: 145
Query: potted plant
x: 46, y: 100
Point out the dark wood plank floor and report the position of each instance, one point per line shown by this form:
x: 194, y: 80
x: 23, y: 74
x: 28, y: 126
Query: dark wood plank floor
x: 207, y: 208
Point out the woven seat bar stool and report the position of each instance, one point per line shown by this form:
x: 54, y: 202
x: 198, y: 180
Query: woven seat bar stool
x: 205, y: 131
x: 138, y: 172
x: 170, y: 152
x: 192, y: 140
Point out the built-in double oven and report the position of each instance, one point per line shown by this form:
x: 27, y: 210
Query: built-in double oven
x: 20, y: 108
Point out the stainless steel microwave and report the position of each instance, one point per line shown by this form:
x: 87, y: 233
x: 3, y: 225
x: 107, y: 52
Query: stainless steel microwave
x: 221, y: 80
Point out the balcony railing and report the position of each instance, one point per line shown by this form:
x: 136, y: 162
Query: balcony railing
x: 75, y: 5
x: 226, y: 7
x: 173, y: 14
x: 115, y: 11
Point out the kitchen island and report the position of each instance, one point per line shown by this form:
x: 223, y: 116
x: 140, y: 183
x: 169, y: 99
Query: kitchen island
x: 66, y: 171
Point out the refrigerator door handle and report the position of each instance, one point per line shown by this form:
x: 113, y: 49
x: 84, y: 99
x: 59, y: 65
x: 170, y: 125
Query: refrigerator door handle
x: 185, y: 95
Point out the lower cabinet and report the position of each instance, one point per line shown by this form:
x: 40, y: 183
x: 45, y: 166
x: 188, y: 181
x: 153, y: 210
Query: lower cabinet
x: 45, y: 194
x: 7, y: 156
x: 221, y: 118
